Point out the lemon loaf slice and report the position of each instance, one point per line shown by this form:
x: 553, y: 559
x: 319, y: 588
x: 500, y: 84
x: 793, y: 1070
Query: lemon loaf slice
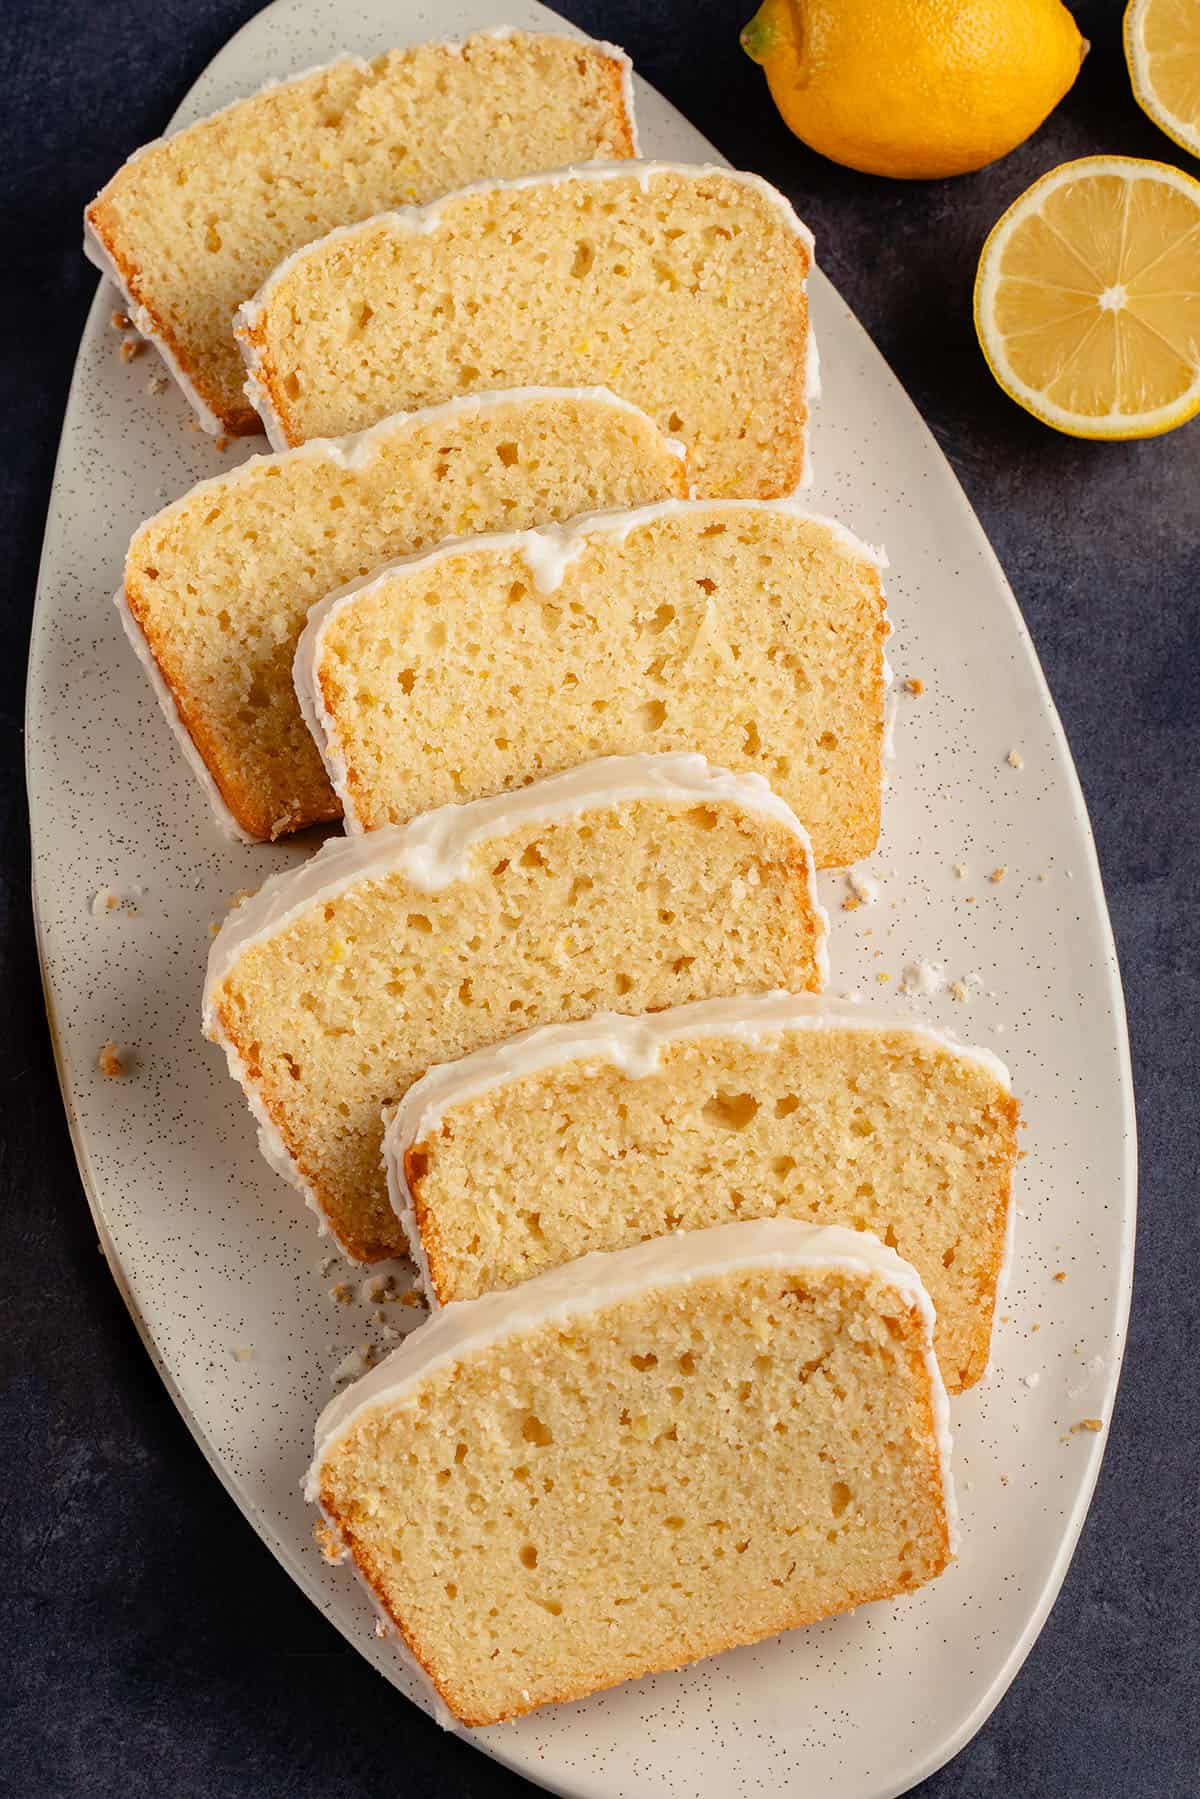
x: 683, y: 288
x: 597, y: 1134
x: 745, y: 629
x: 191, y: 224
x: 218, y: 585
x: 635, y: 882
x: 643, y: 1458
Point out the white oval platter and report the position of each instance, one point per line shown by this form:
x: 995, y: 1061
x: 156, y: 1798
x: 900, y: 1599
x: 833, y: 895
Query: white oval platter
x: 219, y: 1264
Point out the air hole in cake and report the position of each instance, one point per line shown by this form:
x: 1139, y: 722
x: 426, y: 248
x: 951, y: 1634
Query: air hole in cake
x: 585, y: 256
x: 707, y: 584
x: 782, y: 1166
x: 785, y: 1106
x: 417, y: 921
x: 528, y: 1556
x: 732, y: 1111
x: 652, y: 715
x: 406, y: 680
x: 534, y: 1431
x: 687, y: 1363
x: 508, y: 454
x: 291, y: 386
x: 624, y: 984
x: 644, y: 1362
x: 675, y: 423
x: 751, y: 741
x: 552, y: 1606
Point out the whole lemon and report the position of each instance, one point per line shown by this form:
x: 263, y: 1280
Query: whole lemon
x: 915, y: 88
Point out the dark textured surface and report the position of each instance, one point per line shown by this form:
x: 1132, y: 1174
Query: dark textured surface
x: 153, y: 1646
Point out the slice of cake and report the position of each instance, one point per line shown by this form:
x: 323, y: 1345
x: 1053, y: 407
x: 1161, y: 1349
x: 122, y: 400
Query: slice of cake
x: 644, y: 1458
x: 745, y: 629
x: 684, y: 289
x: 635, y: 882
x: 218, y: 585
x: 192, y: 224
x: 598, y: 1134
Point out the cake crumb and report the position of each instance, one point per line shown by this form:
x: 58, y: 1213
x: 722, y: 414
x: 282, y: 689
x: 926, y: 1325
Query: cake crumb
x: 110, y: 1061
x: 411, y: 1297
x: 851, y: 903
x: 131, y: 347
x: 341, y: 1293
x: 1088, y: 1424
x: 222, y: 444
x: 1034, y: 1328
x: 1061, y: 1276
x: 863, y: 886
x: 923, y: 978
x: 883, y: 977
x: 970, y: 899
x: 381, y: 1628
x: 1015, y: 759
x: 914, y: 685
x: 120, y: 321
x: 158, y: 384
x: 243, y: 1352
x: 961, y: 992
x: 960, y: 871
x: 104, y: 901
x: 1004, y: 1480
x: 997, y: 874
x: 378, y: 1290
x: 1031, y: 1380
x: 328, y: 1542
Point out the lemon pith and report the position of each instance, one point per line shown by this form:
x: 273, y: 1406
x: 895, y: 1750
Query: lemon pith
x: 1087, y: 299
x: 915, y: 89
x: 1162, y: 52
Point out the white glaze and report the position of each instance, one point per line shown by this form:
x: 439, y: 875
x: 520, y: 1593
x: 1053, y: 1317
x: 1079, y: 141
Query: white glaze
x: 98, y: 255
x: 435, y: 849
x: 634, y: 1045
x: 594, y: 1283
x: 548, y: 551
x: 226, y: 822
x: 426, y: 219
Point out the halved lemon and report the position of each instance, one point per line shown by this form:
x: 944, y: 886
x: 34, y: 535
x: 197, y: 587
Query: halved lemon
x: 1162, y: 48
x: 1087, y: 300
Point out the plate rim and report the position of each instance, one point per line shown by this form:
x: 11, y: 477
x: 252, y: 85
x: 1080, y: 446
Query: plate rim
x: 949, y: 1746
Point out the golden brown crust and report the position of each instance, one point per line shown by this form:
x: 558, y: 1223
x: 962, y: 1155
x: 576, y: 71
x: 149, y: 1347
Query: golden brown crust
x: 240, y: 421
x: 958, y: 1380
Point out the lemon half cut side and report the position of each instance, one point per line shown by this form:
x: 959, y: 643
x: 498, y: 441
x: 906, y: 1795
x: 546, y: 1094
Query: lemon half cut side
x: 1087, y: 300
x: 1162, y: 49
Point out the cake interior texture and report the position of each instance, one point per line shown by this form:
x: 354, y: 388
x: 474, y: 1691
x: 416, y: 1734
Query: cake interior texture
x: 683, y: 291
x: 221, y: 582
x: 633, y: 907
x: 197, y: 221
x: 881, y: 1130
x: 753, y: 635
x: 686, y: 1469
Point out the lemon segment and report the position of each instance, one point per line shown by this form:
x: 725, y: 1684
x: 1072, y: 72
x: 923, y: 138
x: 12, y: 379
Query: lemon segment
x: 1087, y: 300
x: 915, y: 89
x: 1162, y: 49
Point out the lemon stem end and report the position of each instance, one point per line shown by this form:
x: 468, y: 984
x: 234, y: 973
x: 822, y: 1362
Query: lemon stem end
x: 758, y: 37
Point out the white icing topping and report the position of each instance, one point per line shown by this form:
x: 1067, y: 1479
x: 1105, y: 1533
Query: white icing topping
x: 548, y: 552
x: 98, y: 255
x: 595, y: 1282
x: 435, y: 849
x: 426, y: 219
x: 227, y: 823
x: 635, y: 1044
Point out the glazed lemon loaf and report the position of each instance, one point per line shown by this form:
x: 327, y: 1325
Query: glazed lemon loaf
x: 644, y: 1458
x: 218, y: 585
x: 682, y: 288
x: 599, y: 1134
x: 192, y: 224
x: 635, y: 882
x: 745, y: 629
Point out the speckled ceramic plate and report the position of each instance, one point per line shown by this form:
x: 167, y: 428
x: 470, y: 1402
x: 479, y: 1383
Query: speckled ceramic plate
x: 219, y: 1264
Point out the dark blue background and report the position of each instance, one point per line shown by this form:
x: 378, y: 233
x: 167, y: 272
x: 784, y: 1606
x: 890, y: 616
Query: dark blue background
x: 153, y: 1647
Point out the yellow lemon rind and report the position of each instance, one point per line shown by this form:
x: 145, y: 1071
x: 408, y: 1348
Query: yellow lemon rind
x: 1176, y: 129
x: 1117, y: 427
